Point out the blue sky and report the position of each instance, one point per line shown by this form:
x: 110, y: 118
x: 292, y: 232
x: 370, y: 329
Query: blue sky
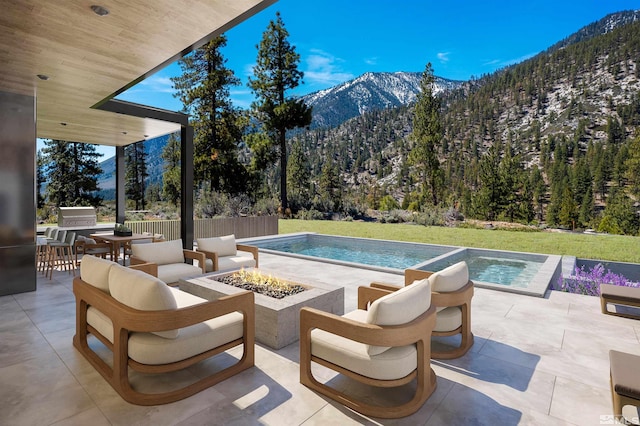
x: 341, y: 39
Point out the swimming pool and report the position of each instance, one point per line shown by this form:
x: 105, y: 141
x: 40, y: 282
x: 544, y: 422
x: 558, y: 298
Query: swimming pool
x: 526, y: 273
x: 379, y: 254
x: 518, y: 272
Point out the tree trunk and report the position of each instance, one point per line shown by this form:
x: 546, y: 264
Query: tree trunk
x: 283, y: 171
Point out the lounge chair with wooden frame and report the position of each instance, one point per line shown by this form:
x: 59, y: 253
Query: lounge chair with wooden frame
x: 387, y: 345
x: 170, y: 258
x: 452, y: 294
x: 223, y: 253
x: 620, y: 295
x: 153, y: 328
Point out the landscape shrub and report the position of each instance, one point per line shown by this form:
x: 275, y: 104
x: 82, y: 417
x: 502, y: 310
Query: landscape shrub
x: 588, y: 282
x: 430, y: 217
x: 311, y: 214
x: 388, y: 203
x: 266, y: 206
x: 211, y: 204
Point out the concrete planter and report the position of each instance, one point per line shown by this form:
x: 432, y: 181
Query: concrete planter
x: 277, y: 320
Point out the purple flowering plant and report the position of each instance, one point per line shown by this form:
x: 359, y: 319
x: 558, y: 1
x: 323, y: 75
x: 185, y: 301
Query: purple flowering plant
x: 588, y: 282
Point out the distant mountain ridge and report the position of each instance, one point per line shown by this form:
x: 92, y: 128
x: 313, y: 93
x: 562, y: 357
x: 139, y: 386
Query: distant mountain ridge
x: 371, y: 91
x: 539, y: 104
x: 599, y: 27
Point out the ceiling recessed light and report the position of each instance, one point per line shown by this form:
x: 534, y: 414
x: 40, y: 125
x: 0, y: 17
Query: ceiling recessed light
x: 63, y: 124
x: 99, y: 10
x: 124, y: 133
x: 146, y: 136
x: 43, y: 77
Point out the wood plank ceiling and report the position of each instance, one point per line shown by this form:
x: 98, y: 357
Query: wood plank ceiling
x: 89, y: 58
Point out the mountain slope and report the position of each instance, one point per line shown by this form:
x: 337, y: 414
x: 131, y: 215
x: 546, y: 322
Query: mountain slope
x: 369, y: 92
x: 600, y: 27
x: 153, y: 148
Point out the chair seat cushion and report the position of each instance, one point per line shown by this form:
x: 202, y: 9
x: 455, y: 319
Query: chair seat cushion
x: 242, y: 259
x: 391, y: 364
x: 625, y: 374
x: 148, y: 348
x: 448, y: 319
x: 173, y: 272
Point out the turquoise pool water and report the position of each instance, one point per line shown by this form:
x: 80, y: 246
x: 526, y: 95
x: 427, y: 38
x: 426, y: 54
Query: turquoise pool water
x: 385, y: 254
x: 496, y: 270
x: 500, y: 270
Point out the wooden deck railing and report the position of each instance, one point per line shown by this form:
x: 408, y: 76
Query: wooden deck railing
x: 241, y: 227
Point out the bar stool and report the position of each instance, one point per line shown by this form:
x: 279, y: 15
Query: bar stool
x: 61, y: 254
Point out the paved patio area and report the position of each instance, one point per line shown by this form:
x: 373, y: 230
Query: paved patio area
x: 534, y: 362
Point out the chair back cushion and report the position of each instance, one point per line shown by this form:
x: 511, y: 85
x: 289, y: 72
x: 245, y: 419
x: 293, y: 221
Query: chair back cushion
x: 450, y: 279
x: 95, y: 271
x: 161, y: 253
x: 142, y: 291
x: 224, y: 246
x: 400, y: 307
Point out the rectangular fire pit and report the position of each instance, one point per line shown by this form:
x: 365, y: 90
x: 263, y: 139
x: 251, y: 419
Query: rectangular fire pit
x: 277, y: 320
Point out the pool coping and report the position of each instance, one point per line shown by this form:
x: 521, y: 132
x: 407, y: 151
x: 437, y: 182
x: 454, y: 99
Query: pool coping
x: 540, y: 284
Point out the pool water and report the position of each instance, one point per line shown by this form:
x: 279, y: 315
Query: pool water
x: 386, y: 254
x: 508, y: 272
x: 524, y: 273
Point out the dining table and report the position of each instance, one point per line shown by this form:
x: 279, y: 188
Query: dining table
x: 118, y: 241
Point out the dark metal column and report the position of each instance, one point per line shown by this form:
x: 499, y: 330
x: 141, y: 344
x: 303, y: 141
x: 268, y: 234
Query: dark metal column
x: 186, y: 191
x: 120, y: 195
x: 17, y: 193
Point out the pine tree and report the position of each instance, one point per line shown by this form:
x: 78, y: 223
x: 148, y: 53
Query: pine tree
x: 329, y: 185
x: 135, y: 160
x: 204, y: 88
x: 171, y: 183
x: 72, y: 170
x: 298, y: 175
x: 427, y: 138
x: 488, y: 200
x: 276, y: 72
x: 40, y: 179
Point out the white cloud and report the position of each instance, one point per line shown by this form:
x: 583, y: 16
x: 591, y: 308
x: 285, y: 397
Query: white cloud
x: 504, y: 63
x: 325, y: 69
x: 157, y: 84
x: 371, y: 61
x: 443, y: 57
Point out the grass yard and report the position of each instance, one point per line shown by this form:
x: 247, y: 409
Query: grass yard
x: 602, y: 247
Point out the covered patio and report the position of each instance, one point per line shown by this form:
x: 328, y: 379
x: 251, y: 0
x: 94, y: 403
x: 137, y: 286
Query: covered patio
x: 62, y: 66
x: 537, y: 361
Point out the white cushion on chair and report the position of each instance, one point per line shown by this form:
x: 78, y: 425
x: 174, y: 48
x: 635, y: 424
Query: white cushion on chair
x: 142, y: 291
x: 95, y: 271
x: 173, y: 272
x: 450, y: 279
x: 448, y: 319
x: 224, y: 246
x: 400, y: 307
x: 161, y: 253
x: 242, y: 259
x: 391, y: 364
x: 147, y: 348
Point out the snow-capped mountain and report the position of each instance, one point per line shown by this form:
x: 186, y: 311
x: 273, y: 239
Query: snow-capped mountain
x: 371, y: 91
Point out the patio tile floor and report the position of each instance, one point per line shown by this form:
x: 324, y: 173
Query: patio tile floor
x: 535, y: 361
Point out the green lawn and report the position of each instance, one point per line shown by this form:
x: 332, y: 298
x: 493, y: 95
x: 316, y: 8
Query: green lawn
x: 603, y: 247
